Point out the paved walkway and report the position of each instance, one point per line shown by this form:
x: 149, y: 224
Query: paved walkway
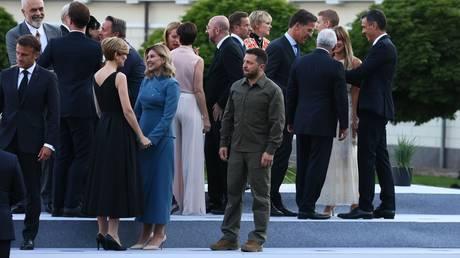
x: 268, y: 252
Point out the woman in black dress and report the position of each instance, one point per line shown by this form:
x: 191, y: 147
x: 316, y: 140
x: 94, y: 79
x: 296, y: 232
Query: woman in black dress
x: 114, y: 184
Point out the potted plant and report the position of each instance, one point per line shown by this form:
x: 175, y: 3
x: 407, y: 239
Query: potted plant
x: 402, y: 173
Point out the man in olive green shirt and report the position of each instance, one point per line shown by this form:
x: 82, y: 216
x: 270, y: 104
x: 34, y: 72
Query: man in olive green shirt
x: 252, y: 128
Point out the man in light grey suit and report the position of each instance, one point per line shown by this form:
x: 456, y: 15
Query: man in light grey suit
x: 34, y: 12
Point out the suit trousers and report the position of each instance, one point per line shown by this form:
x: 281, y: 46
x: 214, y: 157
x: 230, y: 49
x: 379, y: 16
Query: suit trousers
x: 280, y: 166
x: 216, y: 169
x: 373, y: 156
x: 243, y: 167
x: 313, y: 154
x: 72, y: 161
x: 5, y: 246
x: 47, y: 180
x: 188, y: 187
x: 31, y: 171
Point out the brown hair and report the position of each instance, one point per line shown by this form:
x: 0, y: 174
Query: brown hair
x: 331, y: 16
x: 235, y: 18
x: 29, y: 41
x: 167, y: 69
x: 118, y: 25
x: 113, y: 45
x: 79, y: 14
x: 170, y: 27
x: 342, y: 35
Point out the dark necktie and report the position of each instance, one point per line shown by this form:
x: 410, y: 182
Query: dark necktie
x: 37, y: 35
x: 23, y: 85
x: 297, y: 54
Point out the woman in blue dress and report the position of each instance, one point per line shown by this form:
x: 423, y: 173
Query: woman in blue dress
x: 155, y: 108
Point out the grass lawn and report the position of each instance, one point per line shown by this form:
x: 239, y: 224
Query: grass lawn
x: 419, y: 180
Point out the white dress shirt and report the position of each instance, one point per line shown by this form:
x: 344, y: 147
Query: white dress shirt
x: 41, y: 31
x: 293, y: 42
x: 377, y: 39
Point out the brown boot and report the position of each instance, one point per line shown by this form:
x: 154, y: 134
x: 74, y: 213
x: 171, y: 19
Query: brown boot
x: 251, y: 246
x: 224, y: 245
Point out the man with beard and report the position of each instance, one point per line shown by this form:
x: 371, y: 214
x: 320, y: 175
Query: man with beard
x: 252, y: 128
x: 34, y: 13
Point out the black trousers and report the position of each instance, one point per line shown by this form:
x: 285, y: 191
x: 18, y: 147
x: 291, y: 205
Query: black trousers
x: 280, y: 166
x: 47, y: 181
x: 373, y: 156
x: 216, y: 169
x: 72, y: 161
x: 5, y: 246
x: 31, y: 171
x: 313, y: 154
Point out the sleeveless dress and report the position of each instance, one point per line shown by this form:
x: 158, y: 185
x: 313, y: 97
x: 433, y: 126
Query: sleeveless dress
x: 114, y: 186
x: 341, y: 184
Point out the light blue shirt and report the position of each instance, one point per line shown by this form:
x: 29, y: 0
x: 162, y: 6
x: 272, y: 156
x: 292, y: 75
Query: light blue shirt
x: 292, y: 42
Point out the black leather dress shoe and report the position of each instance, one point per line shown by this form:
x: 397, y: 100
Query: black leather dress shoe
x: 286, y: 212
x: 57, y: 212
x: 312, y: 215
x: 27, y: 244
x: 384, y: 213
x: 275, y: 212
x: 218, y: 211
x: 19, y: 209
x: 356, y: 213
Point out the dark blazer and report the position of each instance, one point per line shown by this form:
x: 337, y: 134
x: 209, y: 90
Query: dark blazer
x: 280, y: 59
x: 64, y: 30
x: 238, y: 43
x: 75, y: 58
x: 317, y: 95
x: 375, y: 77
x: 21, y: 29
x: 35, y: 119
x: 225, y: 69
x: 134, y: 69
x: 12, y: 191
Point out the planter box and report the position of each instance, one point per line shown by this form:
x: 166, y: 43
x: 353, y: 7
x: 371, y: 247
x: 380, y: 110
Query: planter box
x: 402, y: 176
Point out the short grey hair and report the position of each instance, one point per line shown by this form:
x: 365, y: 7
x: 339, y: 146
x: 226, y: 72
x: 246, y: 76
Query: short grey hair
x: 65, y: 11
x: 326, y: 39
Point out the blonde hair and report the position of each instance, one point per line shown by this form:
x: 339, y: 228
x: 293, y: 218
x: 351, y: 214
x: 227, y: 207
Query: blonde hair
x: 342, y: 35
x: 167, y: 69
x: 257, y: 17
x: 170, y: 27
x: 113, y: 45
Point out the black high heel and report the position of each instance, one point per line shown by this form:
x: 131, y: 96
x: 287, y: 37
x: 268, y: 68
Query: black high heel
x: 100, y: 241
x: 112, y: 244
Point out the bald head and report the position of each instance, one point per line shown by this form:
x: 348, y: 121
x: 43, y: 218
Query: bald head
x: 218, y: 27
x: 34, y: 11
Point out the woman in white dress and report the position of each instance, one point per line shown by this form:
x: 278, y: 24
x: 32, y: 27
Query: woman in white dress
x: 341, y: 185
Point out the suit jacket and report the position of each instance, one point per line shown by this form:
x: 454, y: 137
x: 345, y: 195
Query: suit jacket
x: 12, y: 191
x: 134, y: 69
x: 21, y: 29
x: 226, y: 68
x: 375, y: 77
x: 35, y: 118
x: 317, y: 95
x: 280, y: 59
x: 75, y: 59
x: 64, y: 30
x: 238, y: 43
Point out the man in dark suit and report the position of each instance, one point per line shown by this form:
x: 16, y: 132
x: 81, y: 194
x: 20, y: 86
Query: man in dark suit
x: 11, y: 192
x: 225, y: 69
x: 281, y: 54
x: 34, y: 13
x: 65, y: 20
x: 75, y: 58
x: 28, y: 95
x: 239, y: 28
x: 134, y: 66
x: 375, y: 109
x: 316, y: 99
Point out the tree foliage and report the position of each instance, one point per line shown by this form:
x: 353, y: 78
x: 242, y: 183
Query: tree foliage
x: 6, y: 23
x: 203, y: 10
x: 425, y: 32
